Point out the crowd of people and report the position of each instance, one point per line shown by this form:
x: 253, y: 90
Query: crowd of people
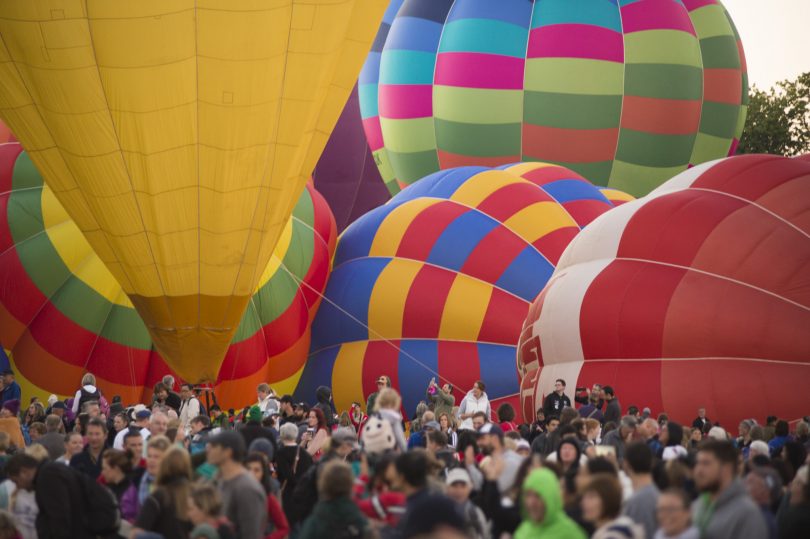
x: 180, y: 467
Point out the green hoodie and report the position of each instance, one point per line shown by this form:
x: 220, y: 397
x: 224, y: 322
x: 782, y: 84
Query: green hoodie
x: 556, y: 523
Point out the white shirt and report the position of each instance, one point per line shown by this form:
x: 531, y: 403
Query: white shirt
x: 189, y: 409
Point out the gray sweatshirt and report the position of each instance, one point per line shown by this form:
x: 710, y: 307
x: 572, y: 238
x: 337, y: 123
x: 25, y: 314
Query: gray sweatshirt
x: 245, y: 505
x: 733, y: 515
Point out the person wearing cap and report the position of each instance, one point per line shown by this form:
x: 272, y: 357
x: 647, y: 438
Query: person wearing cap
x: 417, y: 438
x: 382, y: 383
x: 619, y: 437
x: 243, y: 499
x: 459, y: 486
x: 11, y: 389
x: 490, y: 441
x: 252, y: 429
x: 543, y: 514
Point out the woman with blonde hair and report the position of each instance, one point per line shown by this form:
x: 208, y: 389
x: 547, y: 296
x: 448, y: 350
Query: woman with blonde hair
x: 205, y: 513
x: 165, y: 511
x: 86, y: 393
x: 388, y: 405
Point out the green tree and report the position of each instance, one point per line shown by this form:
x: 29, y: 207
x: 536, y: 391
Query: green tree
x: 778, y: 119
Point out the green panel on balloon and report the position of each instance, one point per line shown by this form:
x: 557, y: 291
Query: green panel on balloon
x: 719, y: 119
x: 572, y: 111
x: 664, y: 81
x: 638, y: 180
x: 574, y: 76
x: 383, y: 163
x: 710, y: 21
x: 411, y: 135
x: 414, y: 166
x: 654, y: 150
x: 662, y: 47
x: 720, y: 53
x: 477, y: 105
x: 24, y: 214
x: 478, y: 140
x: 708, y: 146
x: 124, y: 326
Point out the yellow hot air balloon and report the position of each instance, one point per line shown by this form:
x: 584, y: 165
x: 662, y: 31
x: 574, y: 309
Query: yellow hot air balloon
x: 179, y: 134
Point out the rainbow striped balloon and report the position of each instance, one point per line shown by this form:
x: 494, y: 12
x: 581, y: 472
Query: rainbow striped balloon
x: 438, y: 281
x: 63, y: 314
x: 625, y: 93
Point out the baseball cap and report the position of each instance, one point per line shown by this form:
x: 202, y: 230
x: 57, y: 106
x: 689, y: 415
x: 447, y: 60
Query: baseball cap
x: 286, y: 399
x: 432, y: 425
x: 491, y: 428
x: 8, y: 371
x: 341, y: 437
x: 143, y: 414
x: 59, y: 405
x: 523, y: 444
x: 458, y: 475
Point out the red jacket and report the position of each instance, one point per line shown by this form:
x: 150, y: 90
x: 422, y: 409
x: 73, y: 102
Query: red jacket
x: 276, y: 516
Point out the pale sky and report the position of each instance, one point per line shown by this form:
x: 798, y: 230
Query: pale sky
x: 776, y: 38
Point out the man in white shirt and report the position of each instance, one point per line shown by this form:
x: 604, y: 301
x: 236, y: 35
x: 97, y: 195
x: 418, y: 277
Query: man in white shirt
x: 189, y: 407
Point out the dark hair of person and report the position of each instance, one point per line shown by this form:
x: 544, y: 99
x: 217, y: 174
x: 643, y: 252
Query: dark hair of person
x: 609, y: 490
x: 380, y: 464
x: 723, y: 451
x: 506, y: 412
x: 437, y: 437
x: 414, y: 466
x: 336, y: 480
x: 481, y: 414
x: 632, y: 410
x: 601, y: 465
x: 119, y: 459
x: 782, y: 428
x: 560, y: 380
x: 97, y: 422
x: 19, y: 462
x: 204, y: 419
x: 608, y: 390
x: 607, y: 427
x: 481, y: 385
x: 467, y: 438
x: 639, y: 457
x: 681, y: 495
x: 261, y: 458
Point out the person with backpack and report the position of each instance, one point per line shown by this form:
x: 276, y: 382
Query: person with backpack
x: 87, y: 393
x: 335, y: 515
x: 71, y: 504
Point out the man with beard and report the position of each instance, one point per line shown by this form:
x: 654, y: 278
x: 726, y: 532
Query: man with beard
x: 724, y: 510
x: 287, y: 408
x: 490, y: 442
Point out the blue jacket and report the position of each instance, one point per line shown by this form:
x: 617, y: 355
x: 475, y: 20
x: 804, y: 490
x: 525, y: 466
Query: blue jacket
x: 11, y: 392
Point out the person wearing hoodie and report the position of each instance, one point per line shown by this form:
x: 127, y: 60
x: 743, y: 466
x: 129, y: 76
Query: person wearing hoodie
x: 324, y: 397
x: 335, y: 512
x: 476, y: 400
x: 724, y: 510
x: 543, y: 515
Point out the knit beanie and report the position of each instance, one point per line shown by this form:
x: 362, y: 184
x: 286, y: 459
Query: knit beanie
x: 378, y: 436
x: 12, y: 406
x: 255, y: 414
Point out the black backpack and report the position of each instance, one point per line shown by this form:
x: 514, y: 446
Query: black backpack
x: 102, y: 515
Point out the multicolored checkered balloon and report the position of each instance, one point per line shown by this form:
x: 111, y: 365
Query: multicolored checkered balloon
x: 627, y: 93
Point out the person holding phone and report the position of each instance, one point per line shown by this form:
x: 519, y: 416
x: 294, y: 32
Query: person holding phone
x: 441, y: 399
x: 316, y: 434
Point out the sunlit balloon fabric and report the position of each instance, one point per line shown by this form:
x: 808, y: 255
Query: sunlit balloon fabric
x: 179, y: 135
x: 62, y: 313
x: 625, y: 93
x: 438, y: 281
x: 696, y: 295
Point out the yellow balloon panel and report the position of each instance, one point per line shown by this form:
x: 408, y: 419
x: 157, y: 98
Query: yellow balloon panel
x: 179, y: 134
